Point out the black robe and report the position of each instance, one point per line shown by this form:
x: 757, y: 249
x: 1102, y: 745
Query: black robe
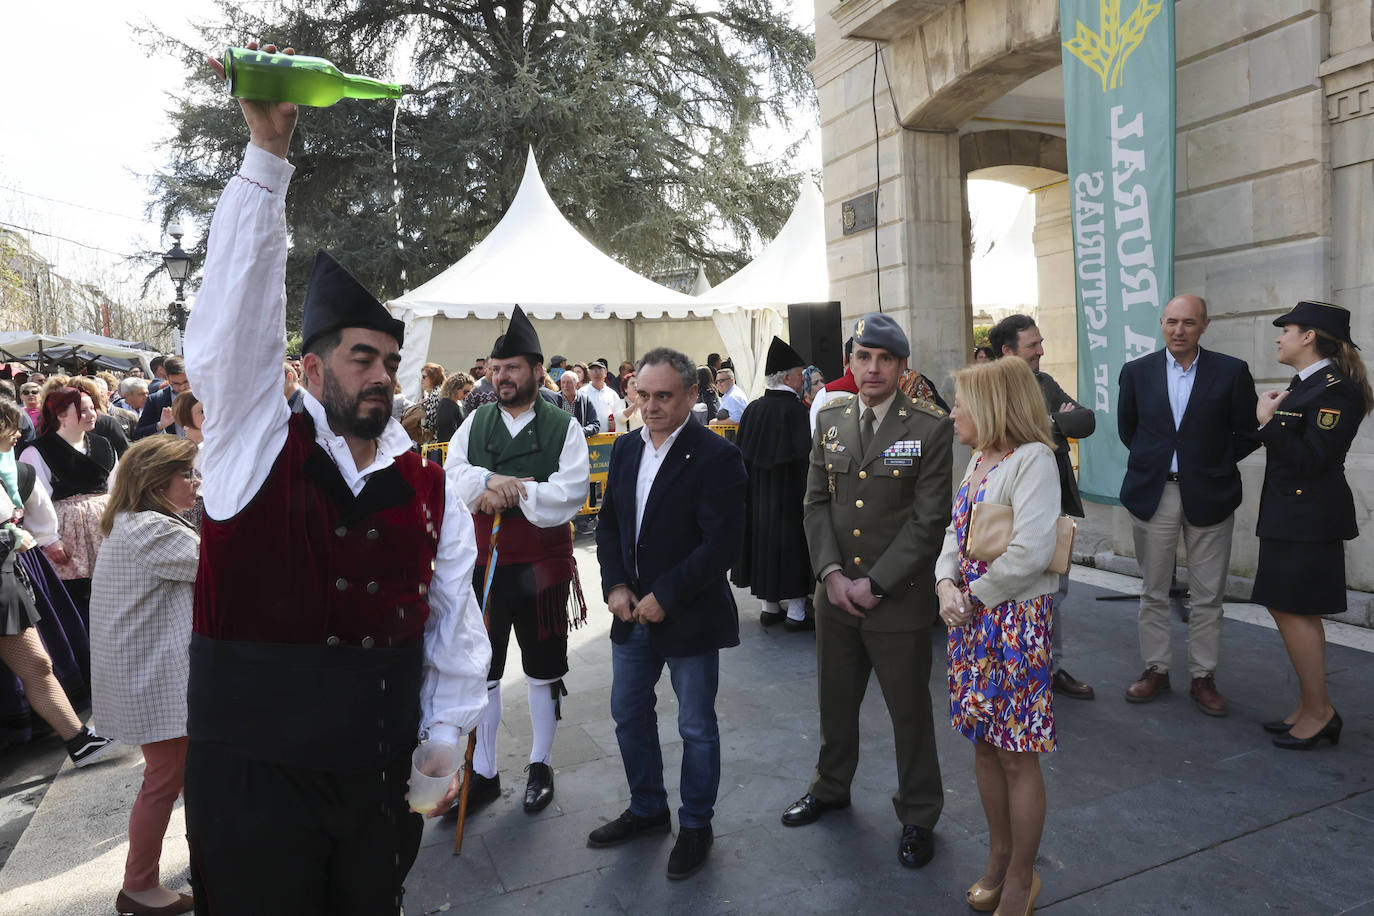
x: 775, y: 439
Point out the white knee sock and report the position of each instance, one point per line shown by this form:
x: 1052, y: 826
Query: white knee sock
x: 771, y: 607
x: 796, y: 608
x: 484, y: 758
x: 543, y: 718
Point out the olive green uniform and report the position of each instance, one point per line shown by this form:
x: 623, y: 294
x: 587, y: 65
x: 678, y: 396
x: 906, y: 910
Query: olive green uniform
x: 881, y: 514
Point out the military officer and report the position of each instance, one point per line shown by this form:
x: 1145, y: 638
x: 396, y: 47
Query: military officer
x: 877, y: 502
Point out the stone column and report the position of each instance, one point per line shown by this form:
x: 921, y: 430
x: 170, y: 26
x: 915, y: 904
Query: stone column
x: 935, y: 242
x: 1057, y: 316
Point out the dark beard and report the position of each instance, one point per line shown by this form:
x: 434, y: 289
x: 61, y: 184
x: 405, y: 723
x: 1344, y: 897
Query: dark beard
x: 524, y: 394
x: 343, y: 411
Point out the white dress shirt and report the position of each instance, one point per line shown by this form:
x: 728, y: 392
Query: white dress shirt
x: 734, y: 401
x: 649, y: 463
x: 235, y: 344
x: 1180, y: 383
x: 553, y: 502
x: 608, y: 405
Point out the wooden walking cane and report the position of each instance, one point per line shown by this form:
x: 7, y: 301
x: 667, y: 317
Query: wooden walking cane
x: 472, y: 736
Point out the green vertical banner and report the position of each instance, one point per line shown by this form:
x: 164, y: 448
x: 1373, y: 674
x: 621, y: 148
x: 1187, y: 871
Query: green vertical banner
x: 1119, y: 104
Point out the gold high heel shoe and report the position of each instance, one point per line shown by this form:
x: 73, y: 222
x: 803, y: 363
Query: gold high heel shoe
x: 984, y: 899
x: 1030, y: 901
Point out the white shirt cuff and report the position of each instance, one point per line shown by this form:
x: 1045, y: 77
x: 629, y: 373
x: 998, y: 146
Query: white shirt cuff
x: 266, y: 170
x: 448, y: 734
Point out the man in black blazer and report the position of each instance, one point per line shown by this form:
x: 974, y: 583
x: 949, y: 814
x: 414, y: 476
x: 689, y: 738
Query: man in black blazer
x: 157, y: 410
x: 1187, y: 415
x: 669, y: 529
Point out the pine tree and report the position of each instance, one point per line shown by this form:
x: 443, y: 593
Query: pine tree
x: 640, y: 113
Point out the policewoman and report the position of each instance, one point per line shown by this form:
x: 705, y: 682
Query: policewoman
x: 1306, y: 509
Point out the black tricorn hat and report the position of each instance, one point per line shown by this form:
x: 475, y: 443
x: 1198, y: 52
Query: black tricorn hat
x: 781, y: 357
x: 1333, y: 319
x: 335, y: 300
x: 519, y: 339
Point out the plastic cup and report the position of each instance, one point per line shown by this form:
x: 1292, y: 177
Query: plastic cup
x: 432, y: 767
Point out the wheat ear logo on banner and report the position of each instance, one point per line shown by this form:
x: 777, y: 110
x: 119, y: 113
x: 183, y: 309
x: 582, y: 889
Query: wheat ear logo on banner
x: 1105, y: 51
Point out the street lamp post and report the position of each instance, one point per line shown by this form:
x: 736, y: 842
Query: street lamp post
x: 178, y: 264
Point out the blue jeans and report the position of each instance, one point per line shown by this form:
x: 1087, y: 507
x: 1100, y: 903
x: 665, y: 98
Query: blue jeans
x: 636, y: 669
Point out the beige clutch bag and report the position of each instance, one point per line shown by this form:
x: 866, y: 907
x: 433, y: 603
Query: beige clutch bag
x: 989, y: 533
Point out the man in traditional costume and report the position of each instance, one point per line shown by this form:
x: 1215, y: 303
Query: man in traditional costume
x: 775, y: 439
x: 334, y: 613
x: 526, y: 459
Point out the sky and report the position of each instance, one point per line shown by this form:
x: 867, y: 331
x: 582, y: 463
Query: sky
x: 76, y: 149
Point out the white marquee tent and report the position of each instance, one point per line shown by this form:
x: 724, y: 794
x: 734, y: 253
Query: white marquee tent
x: 27, y: 343
x: 536, y: 259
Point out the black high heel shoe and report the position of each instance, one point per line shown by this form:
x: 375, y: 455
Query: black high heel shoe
x: 1331, y: 731
x: 1277, y: 727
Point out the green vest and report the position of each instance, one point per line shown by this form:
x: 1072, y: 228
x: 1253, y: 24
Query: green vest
x: 535, y: 450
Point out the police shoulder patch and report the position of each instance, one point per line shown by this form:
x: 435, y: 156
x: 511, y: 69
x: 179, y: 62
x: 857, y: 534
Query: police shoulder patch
x: 1328, y: 417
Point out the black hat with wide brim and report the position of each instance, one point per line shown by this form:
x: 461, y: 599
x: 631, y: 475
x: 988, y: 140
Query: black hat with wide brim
x: 1333, y: 319
x: 334, y: 300
x: 519, y: 339
x: 781, y: 357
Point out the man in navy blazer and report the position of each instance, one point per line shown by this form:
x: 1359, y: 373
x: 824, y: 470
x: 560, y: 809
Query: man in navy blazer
x: 669, y: 529
x: 1187, y: 415
x: 157, y: 410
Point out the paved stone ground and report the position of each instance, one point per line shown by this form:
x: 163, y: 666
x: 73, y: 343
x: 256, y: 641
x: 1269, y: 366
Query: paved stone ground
x: 1153, y: 809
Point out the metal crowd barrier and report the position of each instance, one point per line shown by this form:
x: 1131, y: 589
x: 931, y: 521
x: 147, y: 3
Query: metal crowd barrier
x: 599, y: 455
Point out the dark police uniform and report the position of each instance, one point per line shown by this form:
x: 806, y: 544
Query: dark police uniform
x: 1306, y: 508
x: 879, y: 513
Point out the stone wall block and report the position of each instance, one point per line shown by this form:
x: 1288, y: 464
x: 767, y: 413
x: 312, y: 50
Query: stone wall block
x: 1351, y: 25
x: 1284, y: 133
x: 1352, y: 142
x: 1205, y: 24
x: 1352, y: 230
x: 946, y: 46
x: 1291, y: 204
x: 1212, y: 220
x: 1214, y: 85
x: 1286, y: 59
x: 988, y: 27
x: 1269, y: 279
x: 889, y: 161
x: 1032, y: 20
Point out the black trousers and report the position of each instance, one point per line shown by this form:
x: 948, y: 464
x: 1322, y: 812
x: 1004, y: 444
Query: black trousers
x: 269, y: 839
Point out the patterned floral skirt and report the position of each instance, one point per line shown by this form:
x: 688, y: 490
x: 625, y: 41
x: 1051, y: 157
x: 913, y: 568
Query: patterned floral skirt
x: 999, y: 676
x: 78, y: 525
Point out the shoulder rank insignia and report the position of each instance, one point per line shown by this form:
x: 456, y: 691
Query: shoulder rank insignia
x: 1328, y: 417
x: 929, y: 407
x: 839, y: 401
x: 1331, y: 380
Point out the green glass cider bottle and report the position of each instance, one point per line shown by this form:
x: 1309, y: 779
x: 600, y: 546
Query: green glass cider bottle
x: 295, y: 78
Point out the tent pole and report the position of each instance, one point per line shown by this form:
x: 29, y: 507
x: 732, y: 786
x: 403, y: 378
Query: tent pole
x: 630, y: 340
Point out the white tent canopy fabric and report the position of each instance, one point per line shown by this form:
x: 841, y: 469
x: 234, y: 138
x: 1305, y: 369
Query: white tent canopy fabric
x: 535, y: 258
x: 24, y: 343
x: 790, y: 269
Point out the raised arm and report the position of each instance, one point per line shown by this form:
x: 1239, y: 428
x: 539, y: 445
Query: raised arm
x: 236, y: 337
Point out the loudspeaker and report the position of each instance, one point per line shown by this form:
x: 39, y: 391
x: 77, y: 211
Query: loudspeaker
x: 817, y: 333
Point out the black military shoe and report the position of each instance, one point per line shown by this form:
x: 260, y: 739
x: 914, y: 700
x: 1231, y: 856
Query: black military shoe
x: 917, y: 846
x: 808, y: 809
x: 628, y: 826
x: 539, y: 787
x: 483, y: 791
x: 806, y: 624
x: 689, y: 854
x: 768, y: 618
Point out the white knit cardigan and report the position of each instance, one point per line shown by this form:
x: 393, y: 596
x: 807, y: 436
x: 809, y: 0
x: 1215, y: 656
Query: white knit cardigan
x: 1028, y: 481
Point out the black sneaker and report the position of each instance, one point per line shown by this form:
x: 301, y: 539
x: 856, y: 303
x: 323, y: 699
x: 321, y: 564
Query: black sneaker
x: 628, y: 826
x: 689, y: 855
x: 483, y: 791
x: 86, y: 747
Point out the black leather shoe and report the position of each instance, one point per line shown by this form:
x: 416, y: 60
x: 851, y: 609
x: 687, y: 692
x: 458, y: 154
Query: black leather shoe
x: 1277, y: 727
x: 917, y: 846
x: 768, y: 618
x: 628, y: 826
x: 539, y: 787
x: 483, y: 791
x: 804, y: 625
x: 1331, y: 731
x: 689, y: 853
x: 808, y: 809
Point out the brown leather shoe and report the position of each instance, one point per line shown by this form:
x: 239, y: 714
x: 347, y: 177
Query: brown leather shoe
x: 1066, y: 684
x: 127, y: 906
x: 1151, y: 683
x: 1205, y: 695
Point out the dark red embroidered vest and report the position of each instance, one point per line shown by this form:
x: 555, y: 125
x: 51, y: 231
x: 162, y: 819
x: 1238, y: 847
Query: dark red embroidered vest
x: 307, y: 562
